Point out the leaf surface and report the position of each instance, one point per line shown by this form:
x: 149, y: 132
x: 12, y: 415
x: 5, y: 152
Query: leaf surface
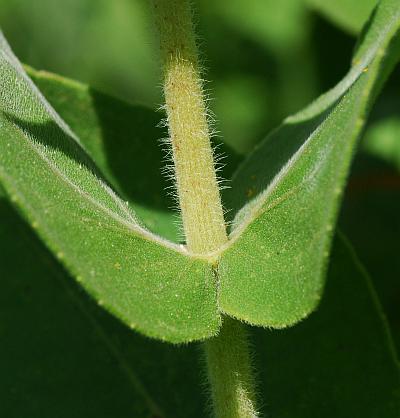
x: 286, y: 194
x: 106, y: 133
x: 122, y: 140
x: 151, y: 284
x: 125, y: 65
x: 371, y: 208
x: 61, y: 355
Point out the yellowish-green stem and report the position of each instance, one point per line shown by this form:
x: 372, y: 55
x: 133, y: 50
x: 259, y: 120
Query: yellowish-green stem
x: 228, y: 360
x: 197, y: 186
x: 230, y: 372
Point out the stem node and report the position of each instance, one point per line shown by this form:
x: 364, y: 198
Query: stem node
x: 228, y: 360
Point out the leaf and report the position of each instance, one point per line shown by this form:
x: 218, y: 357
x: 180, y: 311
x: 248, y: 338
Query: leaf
x: 350, y: 15
x: 286, y: 194
x: 151, y: 284
x: 249, y: 99
x: 63, y: 356
x: 373, y: 199
x: 106, y: 133
x: 341, y: 361
x: 125, y: 65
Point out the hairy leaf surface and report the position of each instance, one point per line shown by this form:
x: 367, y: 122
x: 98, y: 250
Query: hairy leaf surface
x: 286, y: 194
x: 153, y: 285
x: 122, y: 140
x: 61, y: 355
x: 120, y: 137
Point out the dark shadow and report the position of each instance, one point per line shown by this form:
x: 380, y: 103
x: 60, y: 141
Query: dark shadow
x: 51, y: 135
x: 127, y: 160
x: 135, y: 155
x: 335, y: 363
x: 127, y: 155
x: 370, y: 211
x: 370, y: 218
x: 137, y: 158
x: 333, y: 52
x: 365, y: 29
x: 133, y: 152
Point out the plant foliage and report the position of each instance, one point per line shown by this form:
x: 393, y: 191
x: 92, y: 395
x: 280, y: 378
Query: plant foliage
x: 82, y: 196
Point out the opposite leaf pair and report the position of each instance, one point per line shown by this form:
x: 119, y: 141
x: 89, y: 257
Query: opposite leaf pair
x: 284, y: 199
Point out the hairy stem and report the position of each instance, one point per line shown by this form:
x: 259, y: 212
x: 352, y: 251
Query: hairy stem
x: 230, y: 372
x: 196, y: 181
x: 228, y: 360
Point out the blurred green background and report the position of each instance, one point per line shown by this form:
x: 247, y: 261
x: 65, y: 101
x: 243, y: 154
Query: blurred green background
x: 264, y: 60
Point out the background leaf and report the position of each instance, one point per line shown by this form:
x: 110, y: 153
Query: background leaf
x: 277, y: 59
x: 372, y: 203
x: 350, y: 15
x: 258, y: 86
x: 259, y: 77
x: 285, y: 195
x: 382, y: 141
x: 340, y: 362
x: 68, y: 43
x: 153, y: 285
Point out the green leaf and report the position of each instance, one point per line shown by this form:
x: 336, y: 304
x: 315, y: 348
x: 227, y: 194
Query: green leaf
x: 125, y: 65
x: 285, y: 196
x: 251, y: 100
x: 63, y: 356
x: 151, y: 284
x: 341, y: 361
x: 106, y: 133
x: 373, y: 199
x: 350, y: 15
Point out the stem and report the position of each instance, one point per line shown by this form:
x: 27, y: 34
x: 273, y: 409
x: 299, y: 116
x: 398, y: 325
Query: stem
x: 196, y: 181
x: 228, y: 359
x: 230, y: 372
